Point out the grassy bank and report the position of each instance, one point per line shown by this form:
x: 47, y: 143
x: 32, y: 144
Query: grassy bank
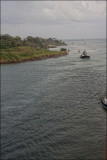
x: 25, y: 53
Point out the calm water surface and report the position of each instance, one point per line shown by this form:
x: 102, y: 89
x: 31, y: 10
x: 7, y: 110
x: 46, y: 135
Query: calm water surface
x: 51, y: 109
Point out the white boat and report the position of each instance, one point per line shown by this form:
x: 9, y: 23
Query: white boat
x: 104, y: 101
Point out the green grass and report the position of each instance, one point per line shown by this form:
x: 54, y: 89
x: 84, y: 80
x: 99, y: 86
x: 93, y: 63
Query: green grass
x: 18, y: 54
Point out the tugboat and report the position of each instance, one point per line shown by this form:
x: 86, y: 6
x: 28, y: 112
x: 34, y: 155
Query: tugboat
x: 84, y: 55
x: 104, y: 101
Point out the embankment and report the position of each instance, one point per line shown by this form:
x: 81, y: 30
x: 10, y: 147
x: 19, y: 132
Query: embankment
x: 21, y: 54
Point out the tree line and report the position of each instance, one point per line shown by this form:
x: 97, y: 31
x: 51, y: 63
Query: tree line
x: 8, y: 41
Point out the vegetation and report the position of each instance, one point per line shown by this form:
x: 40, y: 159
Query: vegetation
x: 63, y: 49
x: 8, y: 41
x: 13, y: 49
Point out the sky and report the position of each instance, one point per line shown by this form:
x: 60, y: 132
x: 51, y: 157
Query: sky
x: 57, y: 19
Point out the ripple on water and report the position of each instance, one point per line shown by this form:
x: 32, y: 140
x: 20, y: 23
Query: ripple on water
x: 51, y: 109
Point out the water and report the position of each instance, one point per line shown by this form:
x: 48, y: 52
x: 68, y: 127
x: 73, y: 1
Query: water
x: 51, y: 109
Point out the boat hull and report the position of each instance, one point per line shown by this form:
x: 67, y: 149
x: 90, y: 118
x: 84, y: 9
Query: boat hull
x: 82, y: 56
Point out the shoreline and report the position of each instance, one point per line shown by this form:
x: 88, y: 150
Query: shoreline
x: 41, y: 57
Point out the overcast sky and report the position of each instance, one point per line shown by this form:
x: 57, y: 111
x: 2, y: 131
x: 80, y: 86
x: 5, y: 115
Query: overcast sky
x: 59, y: 19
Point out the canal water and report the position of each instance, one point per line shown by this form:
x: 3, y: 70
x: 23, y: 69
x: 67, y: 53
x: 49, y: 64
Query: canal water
x: 51, y: 109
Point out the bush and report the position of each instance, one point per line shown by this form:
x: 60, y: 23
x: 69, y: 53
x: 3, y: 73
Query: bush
x: 63, y: 49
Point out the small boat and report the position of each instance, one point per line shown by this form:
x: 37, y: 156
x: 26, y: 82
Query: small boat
x: 104, y: 101
x: 84, y: 55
